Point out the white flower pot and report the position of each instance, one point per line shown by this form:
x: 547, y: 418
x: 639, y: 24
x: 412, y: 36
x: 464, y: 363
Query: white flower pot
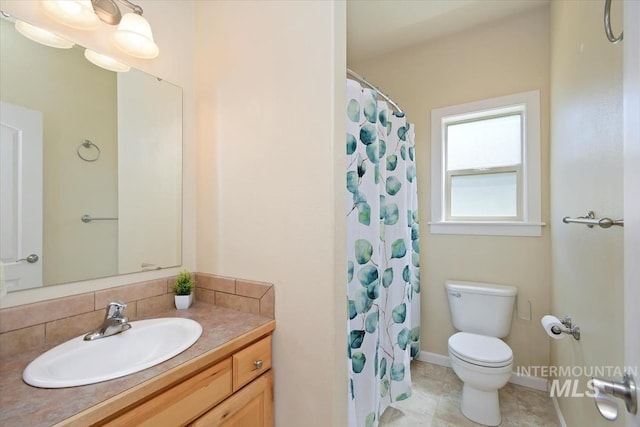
x: 183, y: 301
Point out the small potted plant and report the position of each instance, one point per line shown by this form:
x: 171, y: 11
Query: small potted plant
x: 184, y: 290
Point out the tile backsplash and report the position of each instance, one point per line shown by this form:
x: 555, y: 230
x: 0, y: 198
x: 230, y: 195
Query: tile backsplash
x: 58, y: 320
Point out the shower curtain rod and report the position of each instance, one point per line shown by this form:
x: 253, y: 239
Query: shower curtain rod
x: 382, y: 94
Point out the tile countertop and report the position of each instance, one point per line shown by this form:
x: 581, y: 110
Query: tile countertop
x: 21, y: 404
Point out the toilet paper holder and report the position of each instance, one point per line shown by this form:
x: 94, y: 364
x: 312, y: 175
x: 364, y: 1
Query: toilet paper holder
x: 568, y: 328
x: 625, y: 390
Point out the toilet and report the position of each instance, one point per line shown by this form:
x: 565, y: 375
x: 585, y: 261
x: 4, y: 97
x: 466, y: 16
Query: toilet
x: 482, y: 314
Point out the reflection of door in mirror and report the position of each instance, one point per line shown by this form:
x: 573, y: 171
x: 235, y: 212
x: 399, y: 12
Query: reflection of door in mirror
x: 149, y: 173
x: 20, y: 197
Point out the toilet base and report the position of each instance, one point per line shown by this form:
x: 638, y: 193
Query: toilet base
x: 481, y: 406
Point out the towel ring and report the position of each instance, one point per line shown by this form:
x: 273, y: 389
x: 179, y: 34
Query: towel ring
x: 88, y: 144
x: 607, y: 24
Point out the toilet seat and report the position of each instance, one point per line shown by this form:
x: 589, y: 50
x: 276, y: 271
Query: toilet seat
x: 480, y: 350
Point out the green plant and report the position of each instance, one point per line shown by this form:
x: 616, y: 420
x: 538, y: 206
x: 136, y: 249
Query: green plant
x: 184, y: 283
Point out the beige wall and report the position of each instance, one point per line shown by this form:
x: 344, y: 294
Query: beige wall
x: 586, y: 174
x: 69, y: 117
x: 173, y: 29
x: 502, y: 58
x: 269, y: 195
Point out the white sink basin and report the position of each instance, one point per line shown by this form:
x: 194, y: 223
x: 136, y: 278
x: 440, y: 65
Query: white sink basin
x: 79, y: 362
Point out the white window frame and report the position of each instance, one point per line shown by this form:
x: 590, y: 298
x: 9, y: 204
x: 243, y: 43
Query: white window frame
x: 528, y: 222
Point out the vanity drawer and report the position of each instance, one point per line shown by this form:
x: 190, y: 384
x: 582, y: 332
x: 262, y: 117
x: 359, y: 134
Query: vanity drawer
x: 183, y: 402
x: 250, y: 407
x: 251, y: 362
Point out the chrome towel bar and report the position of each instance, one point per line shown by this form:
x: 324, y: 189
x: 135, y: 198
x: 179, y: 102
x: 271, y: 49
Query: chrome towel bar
x: 590, y: 220
x: 88, y: 218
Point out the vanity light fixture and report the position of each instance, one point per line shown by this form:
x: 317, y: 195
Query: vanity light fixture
x: 105, y: 61
x: 74, y: 13
x: 41, y: 36
x: 133, y: 35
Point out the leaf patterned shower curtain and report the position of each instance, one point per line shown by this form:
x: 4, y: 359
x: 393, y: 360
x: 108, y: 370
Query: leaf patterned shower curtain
x: 383, y: 261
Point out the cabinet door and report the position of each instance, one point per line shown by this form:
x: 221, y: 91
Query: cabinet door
x: 183, y: 402
x: 251, y: 406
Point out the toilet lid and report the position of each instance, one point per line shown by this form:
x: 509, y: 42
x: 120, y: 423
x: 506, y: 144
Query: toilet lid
x: 480, y: 349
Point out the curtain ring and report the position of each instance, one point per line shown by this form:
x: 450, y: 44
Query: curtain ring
x: 88, y: 144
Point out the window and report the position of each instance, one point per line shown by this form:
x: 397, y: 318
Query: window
x: 486, y: 167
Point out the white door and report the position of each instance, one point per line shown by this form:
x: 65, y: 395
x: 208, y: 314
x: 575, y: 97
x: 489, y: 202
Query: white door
x: 632, y: 192
x: 20, y: 196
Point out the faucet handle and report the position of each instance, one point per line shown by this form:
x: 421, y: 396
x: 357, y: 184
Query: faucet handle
x: 115, y: 309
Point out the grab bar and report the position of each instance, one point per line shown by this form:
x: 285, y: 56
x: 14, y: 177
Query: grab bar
x: 86, y: 218
x: 590, y: 220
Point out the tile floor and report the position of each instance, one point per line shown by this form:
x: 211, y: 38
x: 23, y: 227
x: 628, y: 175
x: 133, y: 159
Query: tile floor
x: 436, y: 403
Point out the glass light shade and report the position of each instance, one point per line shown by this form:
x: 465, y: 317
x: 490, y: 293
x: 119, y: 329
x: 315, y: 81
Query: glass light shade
x: 74, y: 13
x: 134, y: 37
x: 106, y: 62
x: 41, y: 36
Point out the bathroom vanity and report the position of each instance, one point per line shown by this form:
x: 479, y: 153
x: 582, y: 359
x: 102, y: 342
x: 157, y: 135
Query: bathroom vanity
x: 224, y: 379
x: 214, y: 396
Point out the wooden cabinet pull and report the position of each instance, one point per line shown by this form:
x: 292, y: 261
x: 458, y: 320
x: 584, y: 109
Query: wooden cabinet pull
x: 257, y: 364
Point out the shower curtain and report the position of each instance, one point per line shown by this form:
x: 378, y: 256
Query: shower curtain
x: 383, y: 261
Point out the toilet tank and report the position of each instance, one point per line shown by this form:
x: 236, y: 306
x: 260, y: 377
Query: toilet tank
x: 481, y: 308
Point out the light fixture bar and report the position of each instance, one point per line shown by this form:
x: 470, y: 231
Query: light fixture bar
x: 136, y: 9
x: 133, y: 35
x: 109, y: 12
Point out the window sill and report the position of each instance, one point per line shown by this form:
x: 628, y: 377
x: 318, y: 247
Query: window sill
x: 488, y: 228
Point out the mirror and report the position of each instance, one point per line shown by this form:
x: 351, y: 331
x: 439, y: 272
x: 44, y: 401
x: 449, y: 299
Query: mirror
x: 80, y: 142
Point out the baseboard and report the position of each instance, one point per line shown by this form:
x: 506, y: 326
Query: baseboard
x: 535, y: 383
x: 563, y: 423
x: 436, y: 359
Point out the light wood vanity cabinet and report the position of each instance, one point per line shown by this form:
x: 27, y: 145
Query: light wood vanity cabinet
x: 252, y: 406
x: 251, y: 362
x: 236, y: 391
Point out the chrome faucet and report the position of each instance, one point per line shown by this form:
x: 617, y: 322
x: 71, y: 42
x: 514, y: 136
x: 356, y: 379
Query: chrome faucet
x: 114, y: 322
